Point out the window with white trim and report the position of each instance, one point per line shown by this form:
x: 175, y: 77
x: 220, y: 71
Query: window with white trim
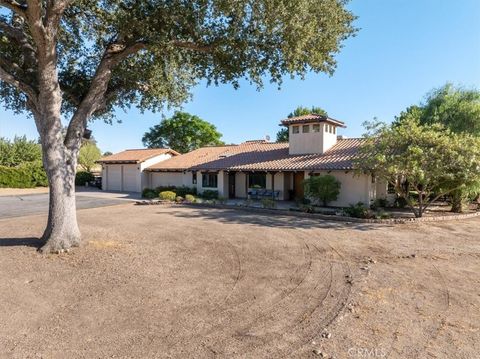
x: 316, y: 127
x: 295, y: 129
x: 306, y: 128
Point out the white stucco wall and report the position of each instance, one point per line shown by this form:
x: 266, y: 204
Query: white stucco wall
x: 177, y: 179
x: 311, y: 142
x: 144, y: 175
x: 354, y: 188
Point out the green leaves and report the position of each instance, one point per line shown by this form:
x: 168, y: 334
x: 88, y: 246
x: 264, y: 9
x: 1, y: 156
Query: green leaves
x: 184, y: 42
x: 427, y: 159
x: 183, y: 133
x: 322, y: 188
x: 18, y: 151
x: 88, y: 155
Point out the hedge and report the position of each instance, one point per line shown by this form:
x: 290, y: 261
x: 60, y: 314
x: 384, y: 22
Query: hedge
x: 82, y: 177
x: 179, y: 191
x: 26, y: 175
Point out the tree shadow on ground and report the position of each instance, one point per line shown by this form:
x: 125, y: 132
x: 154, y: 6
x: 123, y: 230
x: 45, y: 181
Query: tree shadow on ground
x: 243, y: 216
x: 18, y: 242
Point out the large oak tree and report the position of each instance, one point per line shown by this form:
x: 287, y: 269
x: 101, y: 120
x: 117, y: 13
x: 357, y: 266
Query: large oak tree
x: 79, y: 59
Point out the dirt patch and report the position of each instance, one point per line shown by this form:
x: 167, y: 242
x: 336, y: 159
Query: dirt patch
x: 22, y: 191
x: 163, y: 282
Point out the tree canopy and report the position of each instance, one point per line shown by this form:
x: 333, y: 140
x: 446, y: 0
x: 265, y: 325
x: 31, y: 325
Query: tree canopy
x: 88, y: 156
x: 150, y: 53
x: 422, y: 162
x: 183, y: 133
x: 18, y: 151
x: 457, y: 108
x: 282, y: 135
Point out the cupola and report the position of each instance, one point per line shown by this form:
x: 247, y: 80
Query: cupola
x: 311, y: 134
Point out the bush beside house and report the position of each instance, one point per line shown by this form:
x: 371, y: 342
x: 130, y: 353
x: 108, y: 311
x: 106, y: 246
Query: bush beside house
x: 26, y: 175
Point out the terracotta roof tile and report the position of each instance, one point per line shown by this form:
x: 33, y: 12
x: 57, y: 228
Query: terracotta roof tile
x: 136, y: 155
x: 313, y: 117
x: 190, y: 159
x: 259, y: 156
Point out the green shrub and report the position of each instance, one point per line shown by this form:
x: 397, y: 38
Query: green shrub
x: 149, y: 193
x: 379, y: 203
x: 382, y: 215
x: 400, y: 202
x: 323, y: 189
x: 179, y: 199
x: 179, y: 191
x: 358, y: 211
x: 184, y: 190
x: 268, y: 203
x: 26, y: 175
x: 190, y: 198
x: 167, y: 196
x: 222, y: 200
x: 82, y: 177
x: 210, y: 194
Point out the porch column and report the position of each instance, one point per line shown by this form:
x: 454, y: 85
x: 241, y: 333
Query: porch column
x: 273, y: 184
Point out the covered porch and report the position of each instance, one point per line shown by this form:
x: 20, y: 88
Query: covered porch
x: 278, y: 185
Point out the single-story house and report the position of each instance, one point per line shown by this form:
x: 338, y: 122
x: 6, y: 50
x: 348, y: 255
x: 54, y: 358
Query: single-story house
x: 314, y: 148
x: 125, y: 171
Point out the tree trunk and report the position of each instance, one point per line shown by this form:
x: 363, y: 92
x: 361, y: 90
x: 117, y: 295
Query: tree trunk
x: 62, y: 230
x: 457, y: 201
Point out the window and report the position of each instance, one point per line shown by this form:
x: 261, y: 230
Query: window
x: 257, y: 180
x: 316, y: 127
x: 194, y: 177
x: 334, y: 130
x: 326, y: 128
x: 306, y: 128
x: 295, y: 129
x: 209, y: 180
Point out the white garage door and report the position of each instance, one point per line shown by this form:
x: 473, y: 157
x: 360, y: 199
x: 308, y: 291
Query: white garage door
x: 114, y: 178
x: 130, y: 178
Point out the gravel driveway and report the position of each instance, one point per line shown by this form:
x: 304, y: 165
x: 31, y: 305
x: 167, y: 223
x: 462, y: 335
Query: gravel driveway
x: 177, y: 282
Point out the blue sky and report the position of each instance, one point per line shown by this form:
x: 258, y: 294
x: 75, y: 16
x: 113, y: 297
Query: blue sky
x: 402, y: 51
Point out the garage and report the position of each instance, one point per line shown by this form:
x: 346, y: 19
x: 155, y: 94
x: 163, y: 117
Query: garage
x: 113, y: 177
x: 124, y: 171
x: 130, y: 178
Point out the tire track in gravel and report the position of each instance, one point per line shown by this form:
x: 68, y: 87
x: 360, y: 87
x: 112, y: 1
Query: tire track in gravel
x: 326, y: 317
x: 305, y: 267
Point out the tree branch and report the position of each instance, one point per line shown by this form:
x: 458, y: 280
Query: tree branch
x: 55, y: 10
x: 16, y: 7
x: 94, y: 98
x: 18, y: 36
x: 16, y: 82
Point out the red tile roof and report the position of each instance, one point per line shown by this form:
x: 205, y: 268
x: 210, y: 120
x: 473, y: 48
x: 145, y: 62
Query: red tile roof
x: 258, y: 156
x: 313, y: 117
x: 136, y: 155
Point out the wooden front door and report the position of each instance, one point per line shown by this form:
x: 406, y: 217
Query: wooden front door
x: 231, y: 185
x: 298, y: 179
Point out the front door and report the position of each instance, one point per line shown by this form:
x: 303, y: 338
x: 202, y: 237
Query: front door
x: 298, y: 179
x: 231, y: 185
